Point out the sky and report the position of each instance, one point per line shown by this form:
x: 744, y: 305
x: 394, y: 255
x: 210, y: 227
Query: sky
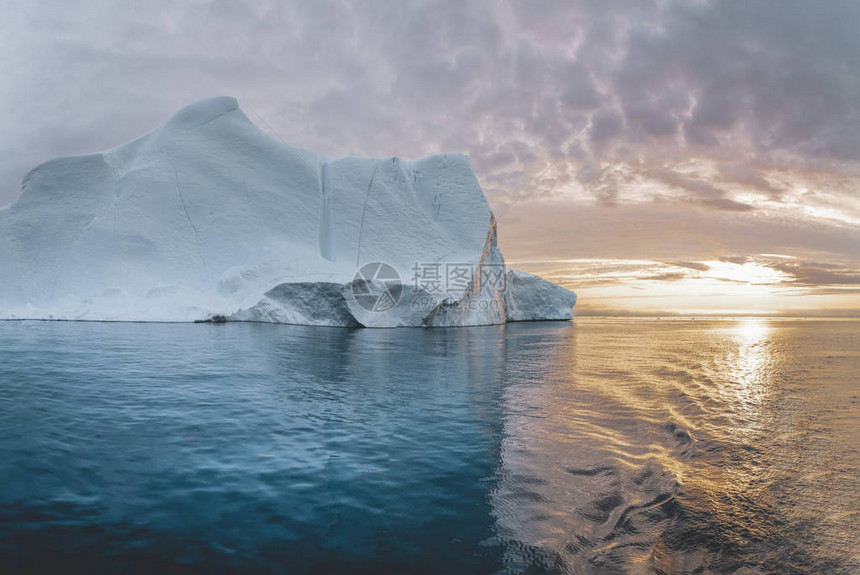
x: 657, y: 157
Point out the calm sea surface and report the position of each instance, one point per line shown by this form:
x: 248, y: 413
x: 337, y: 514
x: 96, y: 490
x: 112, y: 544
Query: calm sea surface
x: 599, y: 446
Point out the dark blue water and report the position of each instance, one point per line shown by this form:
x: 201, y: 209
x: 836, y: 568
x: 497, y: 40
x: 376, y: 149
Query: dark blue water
x: 633, y: 446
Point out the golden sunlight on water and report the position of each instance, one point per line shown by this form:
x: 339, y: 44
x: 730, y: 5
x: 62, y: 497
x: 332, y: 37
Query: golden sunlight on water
x: 680, y: 446
x: 750, y: 330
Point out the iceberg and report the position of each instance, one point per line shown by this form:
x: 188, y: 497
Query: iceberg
x: 207, y: 217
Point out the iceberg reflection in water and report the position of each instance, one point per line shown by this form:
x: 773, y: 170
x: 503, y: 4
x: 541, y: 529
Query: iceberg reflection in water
x: 600, y: 446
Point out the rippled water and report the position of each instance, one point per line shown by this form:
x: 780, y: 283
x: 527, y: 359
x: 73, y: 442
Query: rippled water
x: 600, y: 446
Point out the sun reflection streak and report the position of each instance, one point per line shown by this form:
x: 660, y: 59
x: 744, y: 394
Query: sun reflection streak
x: 751, y: 331
x: 745, y: 382
x: 747, y: 372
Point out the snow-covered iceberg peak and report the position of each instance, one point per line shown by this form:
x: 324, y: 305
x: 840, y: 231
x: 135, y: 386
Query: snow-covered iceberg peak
x: 209, y: 216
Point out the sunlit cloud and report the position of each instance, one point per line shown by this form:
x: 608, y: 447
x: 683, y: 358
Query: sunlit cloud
x: 752, y: 273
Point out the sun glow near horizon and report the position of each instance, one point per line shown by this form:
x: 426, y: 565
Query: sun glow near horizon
x: 764, y: 285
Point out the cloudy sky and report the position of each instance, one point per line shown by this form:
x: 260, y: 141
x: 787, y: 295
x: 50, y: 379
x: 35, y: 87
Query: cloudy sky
x: 655, y: 156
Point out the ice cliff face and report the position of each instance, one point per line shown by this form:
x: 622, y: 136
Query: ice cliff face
x: 207, y: 215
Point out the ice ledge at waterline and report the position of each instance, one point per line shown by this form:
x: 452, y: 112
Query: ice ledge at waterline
x: 209, y: 216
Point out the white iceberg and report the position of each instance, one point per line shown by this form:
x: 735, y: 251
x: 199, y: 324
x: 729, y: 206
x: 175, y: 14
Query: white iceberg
x: 208, y: 216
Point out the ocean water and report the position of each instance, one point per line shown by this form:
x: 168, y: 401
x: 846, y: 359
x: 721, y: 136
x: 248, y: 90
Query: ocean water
x: 594, y: 446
